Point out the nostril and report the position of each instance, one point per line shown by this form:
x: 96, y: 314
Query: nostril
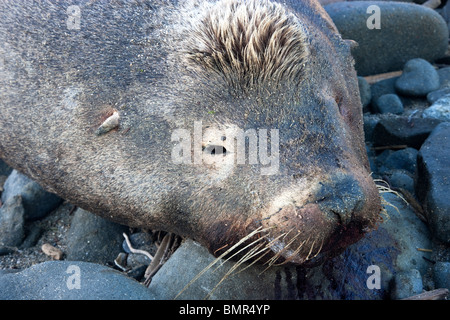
x: 341, y: 196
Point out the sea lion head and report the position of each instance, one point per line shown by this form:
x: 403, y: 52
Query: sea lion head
x: 215, y: 120
x: 284, y: 135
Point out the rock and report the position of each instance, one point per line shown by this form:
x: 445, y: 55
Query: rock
x: 390, y: 47
x: 382, y: 87
x: 365, y: 93
x: 12, y: 222
x: 139, y: 240
x: 406, y: 284
x: 370, y: 122
x: 5, y: 170
x: 36, y: 201
x: 137, y: 272
x: 32, y: 236
x: 439, y: 110
x: 434, y: 96
x: 403, y: 131
x: 444, y: 77
x: 418, y: 79
x: 93, y: 239
x: 441, y: 274
x: 70, y: 280
x: 405, y: 159
x: 191, y: 258
x: 433, y: 183
x: 389, y: 103
x: 380, y: 159
x: 401, y: 179
x: 391, y: 248
x: 4, y: 250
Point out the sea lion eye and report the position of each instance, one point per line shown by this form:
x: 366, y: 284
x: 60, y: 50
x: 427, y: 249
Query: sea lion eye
x: 215, y: 149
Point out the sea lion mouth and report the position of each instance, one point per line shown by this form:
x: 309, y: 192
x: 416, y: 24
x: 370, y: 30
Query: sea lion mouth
x: 315, y: 251
x: 334, y: 215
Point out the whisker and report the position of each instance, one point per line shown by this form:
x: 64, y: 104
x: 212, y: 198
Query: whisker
x: 275, y: 257
x: 318, y: 251
x: 310, y: 250
x: 278, y: 254
x: 239, y: 251
x: 292, y: 255
x: 251, y: 234
x: 296, y: 251
x: 245, y: 258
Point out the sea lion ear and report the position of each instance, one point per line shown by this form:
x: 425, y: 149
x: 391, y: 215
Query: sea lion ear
x: 351, y: 43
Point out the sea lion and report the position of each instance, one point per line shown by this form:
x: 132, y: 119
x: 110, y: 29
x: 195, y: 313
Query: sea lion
x: 209, y: 119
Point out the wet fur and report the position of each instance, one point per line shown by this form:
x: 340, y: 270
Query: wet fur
x: 162, y: 65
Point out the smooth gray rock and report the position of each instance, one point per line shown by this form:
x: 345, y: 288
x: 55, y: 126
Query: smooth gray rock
x: 433, y: 183
x: 70, y: 280
x: 407, y: 31
x: 386, y: 86
x: 92, y: 238
x: 418, y: 79
x: 405, y: 159
x: 400, y: 130
x: 36, y: 201
x: 402, y: 179
x: 12, y: 222
x: 389, y: 103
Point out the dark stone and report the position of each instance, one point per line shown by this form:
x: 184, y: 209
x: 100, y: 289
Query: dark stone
x: 418, y: 79
x: 403, y: 131
x: 402, y: 179
x: 386, y: 86
x: 444, y: 77
x: 433, y: 183
x: 32, y: 236
x: 36, y: 201
x: 5, y: 170
x: 389, y: 103
x: 405, y: 159
x: 441, y: 274
x: 12, y: 222
x: 93, y: 239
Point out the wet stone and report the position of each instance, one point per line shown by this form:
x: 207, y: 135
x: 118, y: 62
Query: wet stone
x: 418, y: 79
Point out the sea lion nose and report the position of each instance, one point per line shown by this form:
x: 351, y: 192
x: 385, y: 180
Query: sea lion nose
x: 341, y: 195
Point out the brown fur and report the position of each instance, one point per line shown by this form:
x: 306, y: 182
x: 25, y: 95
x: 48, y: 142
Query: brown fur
x: 156, y: 67
x: 249, y: 42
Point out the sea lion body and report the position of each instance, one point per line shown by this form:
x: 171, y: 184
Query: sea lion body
x: 139, y: 112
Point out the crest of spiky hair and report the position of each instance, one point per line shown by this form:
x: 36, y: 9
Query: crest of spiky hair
x: 249, y: 42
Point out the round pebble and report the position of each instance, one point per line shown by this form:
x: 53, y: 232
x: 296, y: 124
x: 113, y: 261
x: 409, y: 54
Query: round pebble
x: 418, y: 79
x: 389, y: 103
